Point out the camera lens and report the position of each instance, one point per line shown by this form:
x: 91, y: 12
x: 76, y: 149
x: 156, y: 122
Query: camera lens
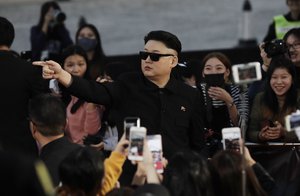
x: 59, y: 16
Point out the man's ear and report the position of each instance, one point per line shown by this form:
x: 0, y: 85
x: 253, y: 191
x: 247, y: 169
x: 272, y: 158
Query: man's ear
x: 174, y: 61
x: 33, y: 129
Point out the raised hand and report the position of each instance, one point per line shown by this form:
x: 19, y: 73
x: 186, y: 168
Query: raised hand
x: 52, y: 70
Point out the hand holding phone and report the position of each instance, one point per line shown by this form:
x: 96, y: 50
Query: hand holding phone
x: 231, y: 138
x: 246, y: 73
x: 137, y: 136
x: 130, y: 122
x: 155, y: 147
x: 271, y: 123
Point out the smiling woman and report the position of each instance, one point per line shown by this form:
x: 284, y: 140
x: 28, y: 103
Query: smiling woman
x: 279, y: 99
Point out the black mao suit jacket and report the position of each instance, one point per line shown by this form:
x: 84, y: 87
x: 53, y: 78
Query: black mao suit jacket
x: 175, y: 111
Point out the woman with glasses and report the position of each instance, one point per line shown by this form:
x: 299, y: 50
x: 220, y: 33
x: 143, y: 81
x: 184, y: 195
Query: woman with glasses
x: 292, y: 40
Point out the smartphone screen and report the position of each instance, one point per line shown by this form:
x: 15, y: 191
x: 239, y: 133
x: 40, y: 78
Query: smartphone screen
x: 231, y: 137
x: 155, y: 147
x: 130, y: 122
x: 137, y: 136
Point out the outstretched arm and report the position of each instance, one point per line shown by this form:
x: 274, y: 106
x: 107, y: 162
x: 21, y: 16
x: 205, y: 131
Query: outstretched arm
x: 52, y: 70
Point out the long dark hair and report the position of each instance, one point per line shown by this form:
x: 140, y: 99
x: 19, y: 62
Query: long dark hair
x: 294, y: 31
x: 228, y: 165
x: 99, y: 53
x: 270, y: 99
x: 81, y: 172
x: 69, y: 51
x: 188, y: 174
x: 44, y: 9
x: 221, y: 57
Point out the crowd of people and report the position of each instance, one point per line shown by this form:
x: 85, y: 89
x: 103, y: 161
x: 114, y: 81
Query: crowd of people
x: 63, y: 114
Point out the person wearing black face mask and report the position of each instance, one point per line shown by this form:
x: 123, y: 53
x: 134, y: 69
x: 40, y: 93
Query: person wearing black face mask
x: 88, y: 44
x: 224, y: 107
x: 88, y: 37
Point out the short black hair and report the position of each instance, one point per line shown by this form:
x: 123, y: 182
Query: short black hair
x: 82, y: 170
x: 7, y: 32
x: 170, y: 40
x: 48, y: 113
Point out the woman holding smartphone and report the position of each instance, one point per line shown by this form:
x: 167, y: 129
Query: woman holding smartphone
x: 223, y: 102
x: 280, y: 98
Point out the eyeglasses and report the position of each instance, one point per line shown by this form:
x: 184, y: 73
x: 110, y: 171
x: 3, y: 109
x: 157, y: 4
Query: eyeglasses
x: 294, y: 45
x: 153, y: 56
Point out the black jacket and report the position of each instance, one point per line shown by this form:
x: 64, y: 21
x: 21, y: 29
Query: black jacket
x: 175, y: 111
x: 53, y: 153
x: 19, y: 82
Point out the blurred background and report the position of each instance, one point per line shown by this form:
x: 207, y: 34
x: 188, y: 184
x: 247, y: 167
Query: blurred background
x: 199, y: 24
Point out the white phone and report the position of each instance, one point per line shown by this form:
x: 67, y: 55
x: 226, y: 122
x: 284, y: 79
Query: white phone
x: 137, y: 137
x: 246, y: 73
x: 292, y: 121
x: 155, y: 147
x: 130, y: 122
x: 230, y: 138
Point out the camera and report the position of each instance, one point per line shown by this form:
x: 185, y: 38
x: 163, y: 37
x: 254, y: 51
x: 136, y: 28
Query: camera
x: 59, y: 16
x: 275, y: 47
x: 246, y: 73
x: 26, y: 55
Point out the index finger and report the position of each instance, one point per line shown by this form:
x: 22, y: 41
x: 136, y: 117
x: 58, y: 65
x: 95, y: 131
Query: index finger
x: 39, y: 63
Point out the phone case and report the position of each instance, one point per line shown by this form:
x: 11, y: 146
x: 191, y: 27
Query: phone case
x: 136, y: 143
x: 130, y: 122
x: 155, y: 147
x: 231, y: 137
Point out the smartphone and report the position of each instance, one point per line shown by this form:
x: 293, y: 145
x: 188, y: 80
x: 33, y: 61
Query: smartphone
x: 155, y: 147
x: 230, y: 138
x: 26, y: 55
x: 130, y: 122
x: 246, y: 73
x: 271, y: 123
x: 292, y: 121
x: 137, y: 136
x: 214, y: 80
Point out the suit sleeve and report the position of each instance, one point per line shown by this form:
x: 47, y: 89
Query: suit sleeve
x: 95, y: 92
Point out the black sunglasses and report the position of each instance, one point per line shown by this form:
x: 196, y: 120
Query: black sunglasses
x: 153, y: 56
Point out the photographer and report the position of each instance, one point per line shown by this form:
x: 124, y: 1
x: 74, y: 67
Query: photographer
x: 282, y: 23
x: 50, y: 35
x: 289, y: 46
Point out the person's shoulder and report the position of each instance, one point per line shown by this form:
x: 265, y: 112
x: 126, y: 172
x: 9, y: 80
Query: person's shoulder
x: 185, y: 89
x: 34, y: 28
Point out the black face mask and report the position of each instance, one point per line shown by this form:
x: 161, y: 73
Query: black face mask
x: 87, y: 44
x: 214, y: 79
